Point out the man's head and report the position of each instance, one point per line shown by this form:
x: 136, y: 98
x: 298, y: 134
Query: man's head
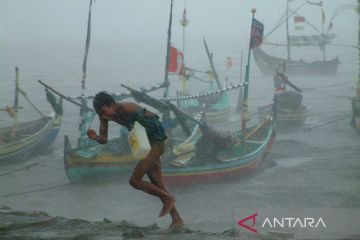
x: 103, y: 104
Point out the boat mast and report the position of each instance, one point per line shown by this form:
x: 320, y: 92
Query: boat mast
x: 166, y: 79
x: 88, y: 33
x: 323, y: 42
x: 287, y: 31
x: 238, y: 107
x: 16, y: 98
x: 184, y: 22
x: 84, y: 116
x: 16, y: 104
x: 246, y: 83
x: 322, y: 29
x: 358, y: 83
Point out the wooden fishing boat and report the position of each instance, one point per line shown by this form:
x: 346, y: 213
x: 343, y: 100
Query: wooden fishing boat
x: 287, y: 105
x: 31, y: 138
x: 268, y: 64
x: 285, y: 117
x: 235, y: 161
x: 180, y: 165
x: 22, y: 140
x: 206, y: 155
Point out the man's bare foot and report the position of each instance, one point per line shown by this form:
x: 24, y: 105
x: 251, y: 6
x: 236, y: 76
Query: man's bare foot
x: 167, y: 206
x: 176, y: 225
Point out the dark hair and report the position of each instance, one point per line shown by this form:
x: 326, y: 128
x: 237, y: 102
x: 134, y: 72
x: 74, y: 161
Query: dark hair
x: 102, y: 99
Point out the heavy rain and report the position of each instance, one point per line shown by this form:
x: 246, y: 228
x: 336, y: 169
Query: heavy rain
x: 257, y: 122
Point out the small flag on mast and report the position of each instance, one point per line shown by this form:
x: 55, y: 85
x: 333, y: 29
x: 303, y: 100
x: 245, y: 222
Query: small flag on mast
x: 257, y: 33
x: 184, y: 22
x: 176, y: 64
x: 299, y: 20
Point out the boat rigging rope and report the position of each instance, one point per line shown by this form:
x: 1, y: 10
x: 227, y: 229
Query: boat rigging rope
x: 29, y: 101
x: 282, y: 20
x: 23, y: 168
x: 308, y: 129
x: 326, y: 86
x: 36, y: 190
x: 20, y: 169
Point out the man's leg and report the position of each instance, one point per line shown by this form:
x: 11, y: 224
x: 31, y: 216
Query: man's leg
x: 136, y: 180
x: 155, y: 177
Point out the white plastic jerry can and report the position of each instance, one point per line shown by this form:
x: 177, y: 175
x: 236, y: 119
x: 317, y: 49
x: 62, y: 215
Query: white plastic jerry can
x: 139, y: 142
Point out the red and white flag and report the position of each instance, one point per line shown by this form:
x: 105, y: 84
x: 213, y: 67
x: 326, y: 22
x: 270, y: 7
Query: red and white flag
x: 299, y: 22
x: 176, y: 62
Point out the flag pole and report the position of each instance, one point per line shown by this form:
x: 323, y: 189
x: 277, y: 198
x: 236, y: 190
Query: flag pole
x: 246, y: 82
x: 166, y: 78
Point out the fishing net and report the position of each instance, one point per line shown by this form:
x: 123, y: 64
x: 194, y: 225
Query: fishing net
x: 212, y: 141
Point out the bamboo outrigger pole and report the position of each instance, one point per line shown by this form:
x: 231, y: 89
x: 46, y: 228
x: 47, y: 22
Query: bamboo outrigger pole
x: 210, y: 56
x: 69, y: 99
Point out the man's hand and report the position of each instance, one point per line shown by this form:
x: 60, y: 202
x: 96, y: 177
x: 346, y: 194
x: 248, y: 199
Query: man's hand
x: 91, y: 133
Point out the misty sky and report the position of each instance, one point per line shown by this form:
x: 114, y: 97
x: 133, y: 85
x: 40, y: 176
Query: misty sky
x: 46, y: 38
x: 45, y: 21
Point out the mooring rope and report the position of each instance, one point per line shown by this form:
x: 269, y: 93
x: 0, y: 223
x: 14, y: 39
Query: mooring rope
x: 36, y: 190
x: 24, y: 168
x: 20, y: 169
x: 308, y: 129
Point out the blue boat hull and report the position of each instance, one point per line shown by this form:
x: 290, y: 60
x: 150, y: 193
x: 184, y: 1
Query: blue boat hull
x: 33, y: 144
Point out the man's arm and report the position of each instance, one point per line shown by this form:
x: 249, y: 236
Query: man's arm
x: 103, y: 129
